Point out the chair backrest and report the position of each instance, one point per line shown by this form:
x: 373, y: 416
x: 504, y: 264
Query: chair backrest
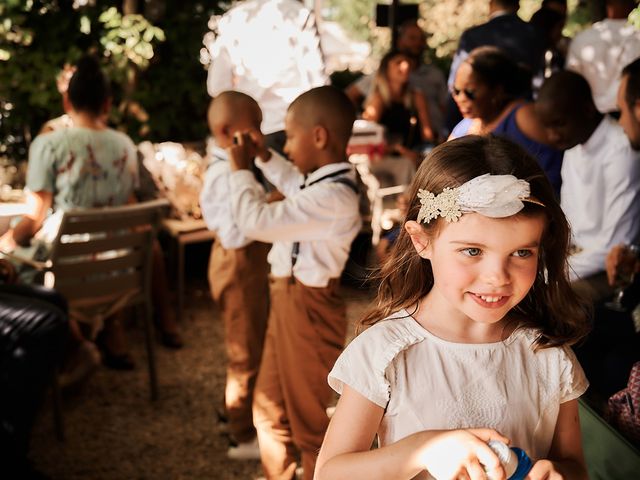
x: 101, y: 258
x: 376, y: 194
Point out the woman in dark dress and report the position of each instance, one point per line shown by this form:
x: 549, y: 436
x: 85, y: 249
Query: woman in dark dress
x: 394, y: 103
x: 490, y: 91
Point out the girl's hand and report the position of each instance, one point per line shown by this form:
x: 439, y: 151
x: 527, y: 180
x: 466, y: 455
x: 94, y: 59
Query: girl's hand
x: 453, y: 454
x: 544, y: 470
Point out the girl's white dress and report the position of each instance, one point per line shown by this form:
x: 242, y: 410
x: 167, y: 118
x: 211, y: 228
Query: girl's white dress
x: 426, y: 383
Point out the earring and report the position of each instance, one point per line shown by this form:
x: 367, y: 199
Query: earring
x: 423, y: 254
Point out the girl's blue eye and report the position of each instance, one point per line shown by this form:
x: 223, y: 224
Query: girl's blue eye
x: 471, y: 252
x: 522, y: 253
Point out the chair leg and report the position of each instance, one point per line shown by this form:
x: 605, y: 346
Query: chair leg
x: 376, y: 220
x: 57, y: 407
x: 151, y: 354
x: 181, y: 253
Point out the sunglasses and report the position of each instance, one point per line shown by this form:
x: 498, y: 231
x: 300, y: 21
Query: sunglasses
x: 470, y: 94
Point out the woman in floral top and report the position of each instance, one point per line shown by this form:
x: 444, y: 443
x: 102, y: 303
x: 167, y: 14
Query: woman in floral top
x: 86, y: 165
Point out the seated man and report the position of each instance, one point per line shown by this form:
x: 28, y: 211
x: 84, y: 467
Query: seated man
x: 33, y: 331
x: 600, y: 192
x: 622, y: 258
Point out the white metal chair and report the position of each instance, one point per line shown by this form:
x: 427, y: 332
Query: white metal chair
x: 101, y: 262
x: 376, y: 195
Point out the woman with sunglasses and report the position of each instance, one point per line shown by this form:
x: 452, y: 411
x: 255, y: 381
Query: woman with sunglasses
x: 491, y: 93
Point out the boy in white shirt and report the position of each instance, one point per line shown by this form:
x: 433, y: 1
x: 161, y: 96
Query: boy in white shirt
x: 311, y: 230
x: 238, y: 271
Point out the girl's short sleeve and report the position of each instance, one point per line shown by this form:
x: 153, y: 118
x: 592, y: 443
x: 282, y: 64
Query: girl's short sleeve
x: 364, y: 364
x: 573, y: 381
x: 41, y: 165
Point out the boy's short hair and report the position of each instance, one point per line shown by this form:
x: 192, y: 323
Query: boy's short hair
x: 569, y: 92
x: 227, y: 106
x: 329, y: 107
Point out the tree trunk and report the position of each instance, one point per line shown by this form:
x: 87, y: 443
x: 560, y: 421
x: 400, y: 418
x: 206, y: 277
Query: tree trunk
x: 129, y: 6
x: 394, y: 10
x: 154, y: 10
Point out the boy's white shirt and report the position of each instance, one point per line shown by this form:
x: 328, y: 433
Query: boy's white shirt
x: 215, y: 200
x: 323, y: 217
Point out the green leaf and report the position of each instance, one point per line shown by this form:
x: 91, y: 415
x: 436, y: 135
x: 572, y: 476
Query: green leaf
x: 159, y: 33
x: 131, y: 42
x: 108, y: 14
x: 85, y: 25
x: 148, y: 35
x: 634, y: 17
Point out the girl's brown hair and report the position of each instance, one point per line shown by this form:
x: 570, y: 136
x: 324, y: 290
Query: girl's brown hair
x: 551, y: 306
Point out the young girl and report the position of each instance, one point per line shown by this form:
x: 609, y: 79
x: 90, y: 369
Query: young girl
x: 471, y: 332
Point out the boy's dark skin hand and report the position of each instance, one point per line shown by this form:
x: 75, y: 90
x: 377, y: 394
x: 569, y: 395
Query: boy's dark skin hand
x: 244, y: 149
x: 246, y: 146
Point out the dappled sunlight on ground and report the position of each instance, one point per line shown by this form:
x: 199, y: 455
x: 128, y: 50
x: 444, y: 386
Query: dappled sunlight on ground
x: 113, y: 431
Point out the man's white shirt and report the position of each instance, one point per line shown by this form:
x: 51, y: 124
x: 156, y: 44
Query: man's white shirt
x: 600, y: 196
x: 600, y: 53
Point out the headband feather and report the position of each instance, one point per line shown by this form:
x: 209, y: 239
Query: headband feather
x: 494, y: 196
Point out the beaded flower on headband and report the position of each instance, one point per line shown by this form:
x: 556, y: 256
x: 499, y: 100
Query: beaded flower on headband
x: 494, y: 196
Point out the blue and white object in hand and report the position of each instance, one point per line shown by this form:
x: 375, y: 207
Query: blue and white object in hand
x: 515, y: 461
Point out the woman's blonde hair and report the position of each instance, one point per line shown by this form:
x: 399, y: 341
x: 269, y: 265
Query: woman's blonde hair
x: 551, y: 306
x: 381, y: 80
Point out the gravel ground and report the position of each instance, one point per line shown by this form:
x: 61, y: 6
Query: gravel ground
x: 113, y: 431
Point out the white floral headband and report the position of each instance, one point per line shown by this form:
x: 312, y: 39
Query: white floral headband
x: 494, y: 196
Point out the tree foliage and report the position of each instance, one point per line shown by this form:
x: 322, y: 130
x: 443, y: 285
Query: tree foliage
x: 153, y: 57
x: 634, y: 17
x: 443, y: 21
x: 36, y: 39
x: 159, y: 82
x: 173, y: 89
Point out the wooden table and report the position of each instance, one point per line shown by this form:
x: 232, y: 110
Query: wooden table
x: 182, y: 233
